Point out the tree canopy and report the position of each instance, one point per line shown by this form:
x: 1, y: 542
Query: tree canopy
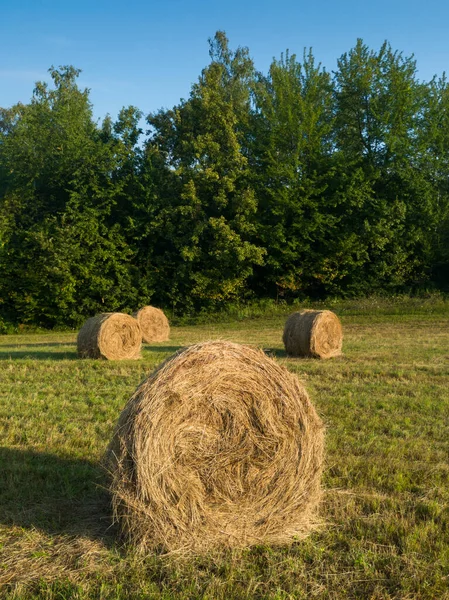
x: 294, y: 183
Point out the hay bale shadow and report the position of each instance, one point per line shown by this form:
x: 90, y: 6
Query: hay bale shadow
x: 56, y: 495
x: 161, y: 349
x: 45, y: 344
x: 37, y: 351
x: 276, y: 352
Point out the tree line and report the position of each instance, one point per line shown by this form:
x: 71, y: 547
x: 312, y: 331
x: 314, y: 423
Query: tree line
x: 294, y: 183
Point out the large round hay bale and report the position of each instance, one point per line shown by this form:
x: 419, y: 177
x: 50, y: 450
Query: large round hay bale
x: 219, y: 447
x: 153, y: 323
x: 315, y: 333
x: 114, y: 336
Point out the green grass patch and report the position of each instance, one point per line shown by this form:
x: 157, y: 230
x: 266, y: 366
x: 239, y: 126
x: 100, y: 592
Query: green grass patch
x: 385, y: 404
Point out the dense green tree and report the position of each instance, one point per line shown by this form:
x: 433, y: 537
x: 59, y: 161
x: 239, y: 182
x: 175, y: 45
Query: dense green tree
x: 378, y: 104
x: 61, y: 257
x: 49, y: 145
x: 66, y: 268
x: 432, y: 161
x: 203, y: 251
x: 292, y: 158
x: 288, y: 184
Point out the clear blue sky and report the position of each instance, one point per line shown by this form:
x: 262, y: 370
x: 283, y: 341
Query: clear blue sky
x: 148, y: 53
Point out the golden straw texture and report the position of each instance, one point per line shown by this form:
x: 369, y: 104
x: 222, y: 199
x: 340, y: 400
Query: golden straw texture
x: 114, y: 336
x: 219, y: 447
x: 313, y: 333
x: 153, y: 324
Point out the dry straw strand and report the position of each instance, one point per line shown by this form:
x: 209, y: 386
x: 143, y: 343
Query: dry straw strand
x: 153, y: 323
x: 114, y: 336
x: 313, y: 333
x: 219, y: 447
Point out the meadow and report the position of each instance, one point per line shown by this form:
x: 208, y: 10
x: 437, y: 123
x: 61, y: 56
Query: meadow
x: 385, y: 509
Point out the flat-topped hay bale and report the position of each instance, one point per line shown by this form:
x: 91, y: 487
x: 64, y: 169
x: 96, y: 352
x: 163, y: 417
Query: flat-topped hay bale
x: 153, y: 323
x: 219, y: 447
x: 313, y: 333
x: 114, y: 336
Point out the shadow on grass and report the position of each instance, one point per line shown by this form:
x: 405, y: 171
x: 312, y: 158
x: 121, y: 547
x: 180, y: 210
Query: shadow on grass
x: 162, y: 349
x: 53, y: 494
x: 43, y: 344
x: 38, y: 355
x: 37, y: 351
x: 276, y: 353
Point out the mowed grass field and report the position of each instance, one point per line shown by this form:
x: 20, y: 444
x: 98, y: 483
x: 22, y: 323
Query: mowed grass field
x: 385, y: 508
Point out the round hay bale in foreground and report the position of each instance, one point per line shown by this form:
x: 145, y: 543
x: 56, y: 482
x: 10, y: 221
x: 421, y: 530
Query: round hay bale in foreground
x: 219, y: 447
x: 153, y: 323
x: 115, y: 336
x: 315, y: 333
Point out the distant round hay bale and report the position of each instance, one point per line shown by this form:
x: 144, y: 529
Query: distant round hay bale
x: 315, y: 333
x: 219, y: 447
x: 153, y: 323
x: 114, y: 336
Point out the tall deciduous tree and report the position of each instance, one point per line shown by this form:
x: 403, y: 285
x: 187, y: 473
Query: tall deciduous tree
x: 292, y: 158
x: 294, y: 183
x: 378, y: 104
x: 432, y: 161
x: 61, y: 257
x: 204, y: 226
